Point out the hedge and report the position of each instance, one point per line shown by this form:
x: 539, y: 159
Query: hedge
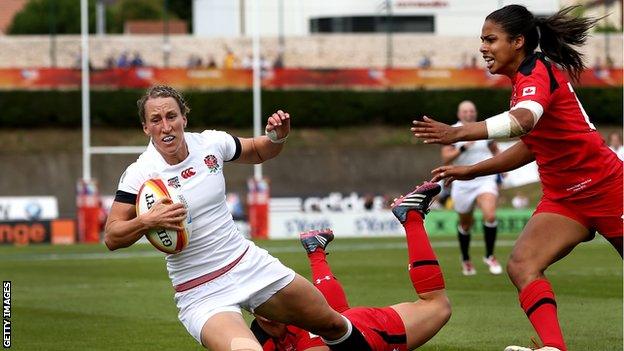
x: 311, y: 108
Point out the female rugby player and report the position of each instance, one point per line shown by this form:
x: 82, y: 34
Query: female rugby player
x: 220, y: 271
x: 581, y: 177
x: 400, y: 327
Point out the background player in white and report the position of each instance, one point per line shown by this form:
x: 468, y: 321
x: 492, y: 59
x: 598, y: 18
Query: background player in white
x: 219, y: 272
x: 465, y: 193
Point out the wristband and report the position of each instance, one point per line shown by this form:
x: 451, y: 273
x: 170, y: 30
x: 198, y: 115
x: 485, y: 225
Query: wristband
x: 462, y: 149
x: 272, y: 135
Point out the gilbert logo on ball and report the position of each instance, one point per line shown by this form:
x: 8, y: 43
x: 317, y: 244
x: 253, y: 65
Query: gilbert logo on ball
x: 166, y: 240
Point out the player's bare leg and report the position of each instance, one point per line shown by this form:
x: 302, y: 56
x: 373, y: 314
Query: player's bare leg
x: 302, y: 305
x: 546, y: 238
x: 233, y: 333
x: 487, y: 204
x: 425, y: 317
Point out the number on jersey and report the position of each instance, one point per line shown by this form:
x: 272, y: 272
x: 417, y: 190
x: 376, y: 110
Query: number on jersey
x: 591, y: 125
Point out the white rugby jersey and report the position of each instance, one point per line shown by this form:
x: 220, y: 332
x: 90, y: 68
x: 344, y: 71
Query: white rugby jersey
x: 474, y: 153
x: 214, y: 240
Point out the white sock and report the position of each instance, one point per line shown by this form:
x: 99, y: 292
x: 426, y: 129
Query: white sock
x: 490, y: 224
x: 462, y: 231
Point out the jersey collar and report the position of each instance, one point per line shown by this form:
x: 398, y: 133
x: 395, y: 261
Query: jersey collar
x: 153, y: 154
x: 527, y: 65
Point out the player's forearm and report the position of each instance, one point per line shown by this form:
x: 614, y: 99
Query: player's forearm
x: 509, y: 124
x: 515, y: 157
x: 472, y: 131
x: 266, y: 148
x: 119, y: 234
x: 259, y: 149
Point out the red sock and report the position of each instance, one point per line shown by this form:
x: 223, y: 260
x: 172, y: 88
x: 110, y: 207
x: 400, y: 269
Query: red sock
x: 538, y: 302
x: 424, y: 269
x: 324, y: 280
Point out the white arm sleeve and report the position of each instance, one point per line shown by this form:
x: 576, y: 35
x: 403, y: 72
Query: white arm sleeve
x: 536, y: 109
x: 228, y: 145
x: 131, y: 180
x: 498, y: 126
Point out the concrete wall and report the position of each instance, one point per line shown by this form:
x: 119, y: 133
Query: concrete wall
x: 296, y: 172
x: 323, y: 51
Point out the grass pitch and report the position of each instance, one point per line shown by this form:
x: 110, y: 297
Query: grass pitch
x: 86, y: 298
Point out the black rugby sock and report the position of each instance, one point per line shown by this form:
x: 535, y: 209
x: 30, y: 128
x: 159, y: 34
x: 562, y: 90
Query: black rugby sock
x: 351, y: 341
x: 464, y: 243
x: 489, y: 234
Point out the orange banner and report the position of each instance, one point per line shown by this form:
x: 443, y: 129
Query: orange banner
x: 223, y: 79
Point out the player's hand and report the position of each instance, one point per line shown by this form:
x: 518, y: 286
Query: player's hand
x: 451, y: 173
x: 431, y: 131
x: 165, y: 214
x: 280, y: 123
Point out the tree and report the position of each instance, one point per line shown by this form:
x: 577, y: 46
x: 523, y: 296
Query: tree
x: 63, y: 16
x: 184, y: 10
x: 51, y: 16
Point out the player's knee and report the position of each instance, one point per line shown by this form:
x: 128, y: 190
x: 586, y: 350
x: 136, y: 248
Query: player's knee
x: 521, y: 270
x: 337, y: 323
x: 445, y: 309
x: 489, y: 217
x: 515, y: 266
x: 439, y: 301
x: 465, y: 227
x: 333, y: 324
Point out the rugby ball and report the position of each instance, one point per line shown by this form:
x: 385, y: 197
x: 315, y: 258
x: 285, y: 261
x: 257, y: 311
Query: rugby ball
x: 166, y: 240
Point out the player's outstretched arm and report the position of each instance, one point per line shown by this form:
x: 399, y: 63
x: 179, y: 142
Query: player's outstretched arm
x: 262, y: 148
x: 123, y: 227
x: 509, y: 124
x: 516, y: 156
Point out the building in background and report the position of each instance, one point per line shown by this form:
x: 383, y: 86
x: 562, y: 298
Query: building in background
x: 216, y: 18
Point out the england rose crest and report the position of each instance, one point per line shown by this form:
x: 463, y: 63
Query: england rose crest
x: 212, y: 163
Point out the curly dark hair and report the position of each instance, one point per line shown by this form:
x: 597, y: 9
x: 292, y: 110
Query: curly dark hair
x: 162, y: 91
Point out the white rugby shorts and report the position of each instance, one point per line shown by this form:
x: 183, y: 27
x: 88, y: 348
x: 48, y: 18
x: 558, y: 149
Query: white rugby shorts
x: 249, y: 284
x: 464, y: 193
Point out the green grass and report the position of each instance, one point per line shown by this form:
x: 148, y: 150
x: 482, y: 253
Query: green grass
x: 80, y: 298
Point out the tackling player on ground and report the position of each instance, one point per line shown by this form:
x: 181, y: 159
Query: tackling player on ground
x: 400, y: 327
x: 482, y: 191
x: 581, y: 177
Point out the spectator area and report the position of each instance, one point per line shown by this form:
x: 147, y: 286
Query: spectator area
x: 317, y: 51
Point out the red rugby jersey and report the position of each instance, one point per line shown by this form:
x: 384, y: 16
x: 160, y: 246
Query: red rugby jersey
x: 571, y: 155
x: 296, y: 339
